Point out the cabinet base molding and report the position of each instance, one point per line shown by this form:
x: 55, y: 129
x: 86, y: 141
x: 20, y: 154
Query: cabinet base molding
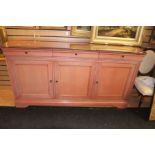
x: 22, y: 103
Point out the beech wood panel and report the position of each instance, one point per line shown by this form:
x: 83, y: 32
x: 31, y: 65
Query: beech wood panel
x: 33, y: 78
x: 74, y: 79
x: 112, y: 79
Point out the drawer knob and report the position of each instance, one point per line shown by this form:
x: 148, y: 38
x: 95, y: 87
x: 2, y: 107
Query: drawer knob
x: 96, y: 82
x: 123, y: 56
x: 50, y: 81
x: 26, y: 52
x: 75, y: 53
x: 56, y: 81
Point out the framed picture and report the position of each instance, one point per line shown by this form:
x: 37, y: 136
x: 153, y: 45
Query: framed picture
x: 119, y: 35
x: 152, y: 41
x: 82, y: 31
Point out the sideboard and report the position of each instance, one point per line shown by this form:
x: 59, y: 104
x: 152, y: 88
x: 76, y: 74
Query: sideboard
x: 58, y: 74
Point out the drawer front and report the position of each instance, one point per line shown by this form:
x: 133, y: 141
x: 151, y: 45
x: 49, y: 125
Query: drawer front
x: 120, y: 56
x: 75, y: 54
x: 24, y: 52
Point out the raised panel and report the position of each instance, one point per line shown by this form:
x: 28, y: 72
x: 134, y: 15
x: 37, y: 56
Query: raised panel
x: 113, y: 79
x: 32, y: 79
x: 74, y: 79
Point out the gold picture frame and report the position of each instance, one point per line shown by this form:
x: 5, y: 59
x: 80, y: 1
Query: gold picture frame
x: 82, y: 31
x: 117, y: 35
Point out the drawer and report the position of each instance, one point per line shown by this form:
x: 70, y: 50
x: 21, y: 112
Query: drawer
x: 25, y: 52
x: 75, y: 54
x: 120, y: 56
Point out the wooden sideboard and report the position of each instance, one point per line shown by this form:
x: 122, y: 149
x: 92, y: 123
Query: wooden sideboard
x: 46, y: 73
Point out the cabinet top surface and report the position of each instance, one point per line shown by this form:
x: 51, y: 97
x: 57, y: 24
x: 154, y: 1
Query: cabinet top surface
x: 72, y: 46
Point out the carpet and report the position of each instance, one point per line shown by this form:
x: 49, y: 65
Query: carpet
x: 74, y: 118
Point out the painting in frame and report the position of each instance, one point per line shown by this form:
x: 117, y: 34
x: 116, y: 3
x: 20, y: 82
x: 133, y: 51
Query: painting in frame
x: 117, y: 35
x: 82, y: 31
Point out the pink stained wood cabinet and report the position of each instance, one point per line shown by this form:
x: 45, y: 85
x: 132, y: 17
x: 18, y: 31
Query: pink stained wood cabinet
x: 69, y: 77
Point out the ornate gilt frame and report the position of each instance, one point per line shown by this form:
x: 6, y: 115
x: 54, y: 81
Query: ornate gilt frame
x: 81, y: 33
x: 116, y: 40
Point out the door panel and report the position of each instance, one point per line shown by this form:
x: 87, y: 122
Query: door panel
x: 113, y: 79
x: 33, y: 79
x: 74, y: 79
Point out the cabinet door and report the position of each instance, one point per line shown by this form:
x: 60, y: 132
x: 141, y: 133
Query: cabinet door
x: 114, y: 80
x: 32, y: 79
x: 74, y: 79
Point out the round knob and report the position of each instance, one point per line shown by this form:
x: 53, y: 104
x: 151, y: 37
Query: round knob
x: 50, y: 81
x: 75, y: 53
x: 26, y: 52
x: 56, y: 81
x: 96, y: 82
x: 122, y: 56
